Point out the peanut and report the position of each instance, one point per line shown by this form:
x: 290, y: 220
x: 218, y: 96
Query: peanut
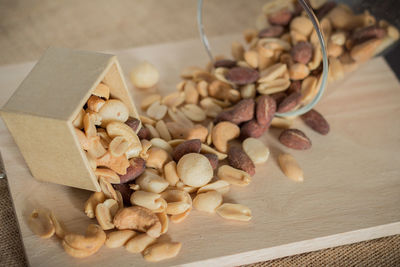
x: 233, y: 176
x: 149, y: 200
x: 161, y: 251
x: 235, y: 212
x: 256, y: 150
x: 208, y: 201
x: 151, y: 182
x: 157, y: 111
x: 290, y: 167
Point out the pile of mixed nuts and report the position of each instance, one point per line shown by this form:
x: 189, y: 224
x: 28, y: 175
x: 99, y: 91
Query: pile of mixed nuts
x: 157, y: 172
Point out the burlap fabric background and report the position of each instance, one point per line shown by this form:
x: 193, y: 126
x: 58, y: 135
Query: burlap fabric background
x: 28, y: 27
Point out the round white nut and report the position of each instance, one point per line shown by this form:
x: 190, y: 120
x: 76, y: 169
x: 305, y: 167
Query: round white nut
x: 151, y: 182
x: 194, y: 170
x: 139, y: 243
x: 152, y: 201
x: 235, y: 212
x: 161, y: 251
x: 118, y: 238
x: 41, y: 224
x: 222, y: 133
x: 113, y: 110
x: 145, y: 75
x: 256, y: 150
x: 208, y: 201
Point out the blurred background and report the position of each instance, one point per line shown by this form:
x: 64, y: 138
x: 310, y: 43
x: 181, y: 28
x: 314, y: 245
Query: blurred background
x: 28, y: 27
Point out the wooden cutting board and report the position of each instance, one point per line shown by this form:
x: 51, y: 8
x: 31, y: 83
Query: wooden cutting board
x: 351, y: 190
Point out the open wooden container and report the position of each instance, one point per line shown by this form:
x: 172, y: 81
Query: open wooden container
x: 39, y: 114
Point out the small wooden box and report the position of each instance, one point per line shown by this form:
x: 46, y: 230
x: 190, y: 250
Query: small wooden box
x: 39, y: 114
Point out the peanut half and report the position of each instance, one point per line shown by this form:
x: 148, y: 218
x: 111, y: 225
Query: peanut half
x: 290, y: 167
x: 235, y: 212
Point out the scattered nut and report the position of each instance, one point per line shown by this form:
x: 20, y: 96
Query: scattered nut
x: 157, y: 158
x: 302, y: 52
x: 233, y: 176
x: 207, y: 201
x: 170, y: 173
x: 161, y: 251
x: 241, y: 112
x: 193, y: 112
x: 238, y: 159
x: 189, y: 146
x: 252, y: 129
x: 316, y: 121
x: 138, y: 218
x: 151, y: 201
x: 265, y: 110
x: 222, y: 133
x: 135, y: 169
x: 235, y: 212
x: 41, y: 224
x: 256, y: 150
x: 151, y: 182
x: 162, y: 129
x: 219, y: 186
x: 102, y: 90
x: 194, y: 170
x: 157, y: 111
x: 119, y: 238
x: 138, y: 243
x: 92, y: 202
x: 290, y: 167
x: 295, y: 139
x: 213, y: 159
x: 242, y: 76
x: 144, y: 75
x: 161, y: 143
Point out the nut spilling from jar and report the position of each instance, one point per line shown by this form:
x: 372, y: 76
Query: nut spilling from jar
x: 161, y: 171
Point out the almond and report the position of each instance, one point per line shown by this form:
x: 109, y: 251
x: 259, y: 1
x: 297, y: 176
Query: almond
x: 242, y: 75
x: 316, y: 121
x: 295, y: 139
x: 238, y: 159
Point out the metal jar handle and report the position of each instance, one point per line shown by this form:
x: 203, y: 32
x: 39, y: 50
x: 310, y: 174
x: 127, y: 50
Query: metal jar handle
x: 321, y: 39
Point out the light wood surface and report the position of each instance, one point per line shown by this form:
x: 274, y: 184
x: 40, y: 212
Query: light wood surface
x: 350, y: 193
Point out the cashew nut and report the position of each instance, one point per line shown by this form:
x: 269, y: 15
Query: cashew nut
x: 41, y: 224
x: 85, y: 245
x: 116, y: 128
x: 105, y: 212
x: 58, y: 227
x: 138, y: 243
x: 119, y: 238
x: 163, y: 217
x: 107, y: 188
x: 138, y: 218
x: 149, y: 200
x: 110, y: 175
x: 92, y: 202
x: 157, y: 158
x: 95, y: 103
x: 222, y: 133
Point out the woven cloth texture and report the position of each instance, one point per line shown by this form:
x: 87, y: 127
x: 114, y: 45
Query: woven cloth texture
x: 27, y: 28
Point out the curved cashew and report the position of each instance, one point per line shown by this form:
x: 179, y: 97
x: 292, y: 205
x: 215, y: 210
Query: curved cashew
x: 41, y: 224
x: 58, y: 227
x: 85, y: 245
x: 78, y: 121
x: 105, y: 213
x: 151, y: 182
x: 95, y: 103
x: 149, y: 200
x: 92, y: 202
x: 180, y: 217
x: 113, y: 110
x: 107, y: 188
x: 104, y: 138
x: 119, y: 238
x: 139, y: 243
x: 222, y: 133
x: 157, y: 158
x: 117, y: 164
x: 138, y: 218
x: 163, y: 217
x: 116, y: 128
x: 110, y: 175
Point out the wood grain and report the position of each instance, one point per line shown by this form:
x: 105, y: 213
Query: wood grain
x: 350, y: 193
